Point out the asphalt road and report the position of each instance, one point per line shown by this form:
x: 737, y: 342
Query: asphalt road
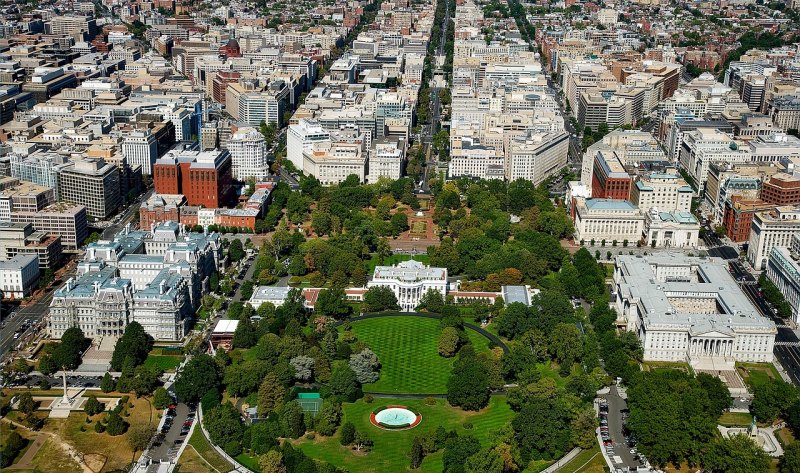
x: 35, y: 313
x: 616, y: 427
x: 127, y: 216
x: 787, y: 345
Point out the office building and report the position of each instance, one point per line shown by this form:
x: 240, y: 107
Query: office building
x: 23, y: 239
x: 690, y: 308
x: 18, y: 276
x: 606, y: 220
x: 536, y: 156
x: 65, y: 220
x: 770, y: 229
x: 666, y: 192
x: 249, y: 155
x: 783, y: 269
x: 140, y: 148
x: 93, y: 183
x: 204, y: 177
x: 300, y: 137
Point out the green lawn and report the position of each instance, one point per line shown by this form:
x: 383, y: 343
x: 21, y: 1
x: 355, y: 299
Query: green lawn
x: 408, y: 350
x: 165, y: 362
x: 207, y: 452
x: 735, y: 419
x: 755, y: 374
x: 391, y: 450
x: 394, y: 259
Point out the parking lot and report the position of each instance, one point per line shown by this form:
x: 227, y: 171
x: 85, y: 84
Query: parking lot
x: 617, y: 441
x: 174, y: 432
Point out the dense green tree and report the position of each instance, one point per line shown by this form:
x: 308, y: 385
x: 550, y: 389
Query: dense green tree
x: 521, y: 195
x: 115, y: 425
x: 565, y: 343
x: 25, y: 403
x: 13, y: 444
x: 328, y: 418
x: 199, y: 375
x: 333, y: 303
x: 68, y: 353
x: 514, y: 320
x: 107, y: 383
x: 417, y: 453
x: 134, y: 342
x: 718, y: 394
x: 671, y: 415
x: 456, y: 452
x: 790, y: 462
x: 344, y: 384
x: 485, y: 461
x: 271, y: 394
x: 92, y: 406
x: 348, y: 433
x: 380, y: 298
x: 771, y: 399
x: 448, y: 341
x: 236, y: 250
x: 291, y: 416
x: 161, y: 398
x: 399, y: 223
x: 245, y: 335
x: 468, y: 385
x: 243, y: 378
x: 738, y: 454
x: 224, y: 425
x: 264, y: 436
x: 542, y: 430
x: 272, y: 462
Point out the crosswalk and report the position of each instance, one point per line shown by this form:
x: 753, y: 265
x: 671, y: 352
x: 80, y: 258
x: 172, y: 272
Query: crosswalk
x: 787, y: 344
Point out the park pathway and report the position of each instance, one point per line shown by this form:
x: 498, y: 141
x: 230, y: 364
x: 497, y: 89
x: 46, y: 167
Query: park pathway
x: 26, y: 462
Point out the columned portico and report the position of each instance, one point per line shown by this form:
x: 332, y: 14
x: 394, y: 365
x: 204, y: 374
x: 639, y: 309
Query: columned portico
x: 711, y: 347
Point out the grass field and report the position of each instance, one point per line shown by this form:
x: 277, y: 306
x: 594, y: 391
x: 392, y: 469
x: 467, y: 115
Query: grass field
x: 394, y: 259
x: 755, y: 374
x: 102, y: 449
x: 391, y: 450
x: 588, y: 461
x: 408, y: 350
x: 419, y: 227
x: 165, y: 362
x: 735, y: 419
x: 205, y: 455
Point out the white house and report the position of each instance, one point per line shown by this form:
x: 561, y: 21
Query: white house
x: 410, y: 280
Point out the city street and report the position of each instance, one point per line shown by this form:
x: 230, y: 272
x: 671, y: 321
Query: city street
x: 31, y: 315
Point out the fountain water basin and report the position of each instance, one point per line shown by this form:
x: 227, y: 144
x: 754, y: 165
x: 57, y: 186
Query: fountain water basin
x: 395, y: 418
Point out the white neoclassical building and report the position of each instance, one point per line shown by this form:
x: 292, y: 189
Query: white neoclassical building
x: 690, y: 309
x: 410, y: 280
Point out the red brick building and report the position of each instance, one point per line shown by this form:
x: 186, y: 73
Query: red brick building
x: 738, y: 217
x: 231, y: 49
x: 610, y: 180
x: 204, y: 177
x: 781, y: 189
x: 220, y: 84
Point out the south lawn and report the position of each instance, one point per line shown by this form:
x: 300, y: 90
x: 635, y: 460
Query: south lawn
x: 391, y: 450
x: 407, y: 348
